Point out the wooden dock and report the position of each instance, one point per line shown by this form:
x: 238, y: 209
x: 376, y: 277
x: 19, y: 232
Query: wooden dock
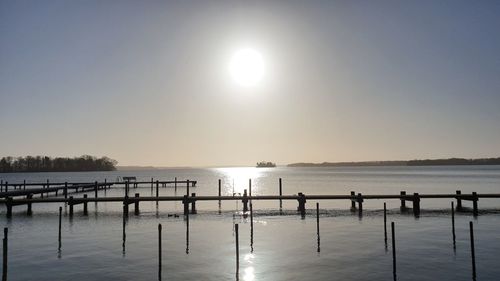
x: 11, y: 198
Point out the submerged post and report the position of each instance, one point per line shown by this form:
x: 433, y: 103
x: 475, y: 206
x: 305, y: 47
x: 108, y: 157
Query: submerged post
x: 459, y: 200
x: 472, y: 250
x: 385, y: 223
x: 85, y: 209
x: 237, y: 248
x: 159, y: 251
x: 136, y: 204
x: 474, y: 204
x: 453, y: 224
x: 30, y: 211
x: 5, y: 245
x: 403, y: 200
x: 60, y: 221
x: 393, y: 250
x: 193, y: 203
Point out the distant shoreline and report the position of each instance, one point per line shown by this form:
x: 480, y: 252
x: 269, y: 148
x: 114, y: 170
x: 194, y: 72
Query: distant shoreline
x: 424, y: 162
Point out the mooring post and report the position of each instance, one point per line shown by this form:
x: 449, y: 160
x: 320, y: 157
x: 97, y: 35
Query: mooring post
x: 281, y: 194
x: 220, y: 189
x: 251, y: 227
x: 474, y: 204
x: 70, y: 203
x: 152, y: 184
x: 60, y: 221
x: 453, y: 224
x: 175, y: 184
x: 29, y: 211
x: 6, y: 186
x: 5, y: 245
x: 403, y: 200
x: 95, y: 189
x: 393, y: 250
x: 159, y: 251
x: 8, y: 204
x: 472, y: 250
x: 65, y: 190
x: 157, y: 190
x: 136, y: 204
x: 85, y: 209
x: 385, y: 223
x: 1, y: 185
x: 105, y: 184
x: 317, y: 224
x: 302, y: 204
x: 24, y: 184
x: 187, y: 187
x: 125, y: 206
x: 245, y: 201
x: 185, y: 202
x: 237, y: 236
x: 416, y: 205
x: 250, y: 188
x: 459, y: 200
x: 353, y: 202
x: 360, y: 204
x: 193, y: 203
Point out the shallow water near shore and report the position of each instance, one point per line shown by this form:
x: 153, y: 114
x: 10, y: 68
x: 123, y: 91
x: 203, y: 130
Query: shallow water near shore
x: 283, y: 246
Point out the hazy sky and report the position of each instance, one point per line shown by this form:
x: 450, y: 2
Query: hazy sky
x: 147, y: 82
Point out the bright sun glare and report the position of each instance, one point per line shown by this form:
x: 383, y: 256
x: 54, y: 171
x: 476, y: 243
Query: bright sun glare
x: 247, y: 67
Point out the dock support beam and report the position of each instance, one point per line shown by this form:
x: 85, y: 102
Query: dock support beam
x: 281, y: 194
x: 5, y: 245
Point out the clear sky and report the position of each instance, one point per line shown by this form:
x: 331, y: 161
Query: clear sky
x: 147, y: 82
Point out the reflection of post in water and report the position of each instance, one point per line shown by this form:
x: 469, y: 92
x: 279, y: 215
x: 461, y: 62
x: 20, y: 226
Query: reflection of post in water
x: 453, y: 226
x: 59, y: 236
x: 385, y: 226
x: 237, y: 250
x: 123, y: 233
x: 187, y: 234
x: 219, y: 196
x: 159, y: 251
x: 317, y: 225
x: 251, y: 228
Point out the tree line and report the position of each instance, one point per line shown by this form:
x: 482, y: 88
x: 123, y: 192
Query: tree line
x: 58, y: 164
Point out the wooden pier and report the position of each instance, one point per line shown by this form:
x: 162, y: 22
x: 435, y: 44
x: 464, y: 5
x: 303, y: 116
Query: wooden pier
x: 190, y: 199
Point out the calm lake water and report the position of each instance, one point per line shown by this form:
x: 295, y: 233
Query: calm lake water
x: 284, y: 247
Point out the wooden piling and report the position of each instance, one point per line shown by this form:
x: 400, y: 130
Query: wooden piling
x: 159, y: 251
x: 403, y: 200
x: 453, y: 224
x: 393, y: 249
x: 360, y: 204
x: 416, y: 205
x: 250, y: 188
x: 70, y: 203
x: 152, y: 184
x: 6, y: 186
x: 136, y: 204
x: 472, y: 250
x: 5, y: 245
x: 193, y: 203
x: 125, y: 206
x: 95, y: 189
x: 85, y: 206
x: 187, y: 187
x: 157, y: 190
x: 175, y: 184
x: 475, y: 211
x: 353, y: 202
x: 60, y: 222
x: 317, y: 225
x: 459, y: 200
x: 24, y: 184
x: 281, y: 194
x: 236, y: 230
x: 185, y: 202
x: 251, y: 227
x: 8, y: 204
x: 220, y: 189
x: 385, y: 223
x: 65, y: 190
x: 245, y: 201
x: 29, y: 212
x: 302, y: 204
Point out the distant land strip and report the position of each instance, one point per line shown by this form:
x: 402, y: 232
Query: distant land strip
x: 30, y: 164
x: 424, y: 162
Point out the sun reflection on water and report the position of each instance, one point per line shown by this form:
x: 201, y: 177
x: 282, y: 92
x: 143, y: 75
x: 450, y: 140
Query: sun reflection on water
x: 236, y: 179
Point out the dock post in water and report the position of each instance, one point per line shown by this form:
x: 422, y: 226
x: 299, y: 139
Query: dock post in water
x: 185, y: 202
x: 8, y: 204
x: 302, y: 204
x: 65, y: 190
x: 136, y: 204
x: 403, y: 200
x: 245, y: 201
x: 187, y: 187
x: 125, y: 206
x: 29, y: 212
x: 5, y: 245
x: 157, y: 190
x: 317, y: 225
x: 236, y: 230
x: 393, y: 250
x: 159, y: 251
x: 60, y: 222
x: 472, y: 250
x: 459, y: 200
x: 251, y: 227
x: 360, y: 204
x: 175, y: 184
x: 220, y: 189
x: 24, y: 184
x: 416, y: 205
x: 281, y: 194
x: 70, y: 203
x: 152, y: 184
x: 453, y: 224
x: 193, y: 203
x: 96, y: 186
x: 475, y: 211
x: 85, y: 206
x: 385, y: 224
x: 353, y: 202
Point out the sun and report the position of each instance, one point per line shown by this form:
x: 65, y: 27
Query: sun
x: 247, y: 67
